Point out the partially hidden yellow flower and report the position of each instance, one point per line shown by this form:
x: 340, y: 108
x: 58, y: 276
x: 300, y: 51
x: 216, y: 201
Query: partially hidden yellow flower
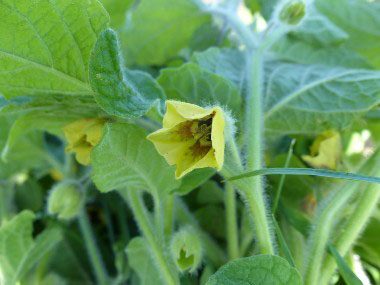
x: 325, y: 151
x: 192, y: 137
x: 82, y: 136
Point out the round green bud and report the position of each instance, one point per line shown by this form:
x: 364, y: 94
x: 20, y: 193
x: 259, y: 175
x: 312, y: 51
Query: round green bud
x: 186, y: 249
x: 64, y: 200
x: 292, y: 12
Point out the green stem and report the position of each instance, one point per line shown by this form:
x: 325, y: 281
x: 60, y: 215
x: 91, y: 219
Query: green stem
x: 323, y: 226
x: 92, y: 249
x: 254, y: 126
x: 231, y: 218
x: 168, y: 215
x: 328, y: 217
x: 362, y: 212
x: 158, y: 216
x: 141, y: 216
x: 244, y: 32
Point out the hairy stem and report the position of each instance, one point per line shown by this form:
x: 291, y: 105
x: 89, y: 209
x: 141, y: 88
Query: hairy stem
x: 231, y: 218
x: 141, y: 216
x: 92, y: 249
x: 366, y: 205
x: 325, y: 222
x: 254, y: 126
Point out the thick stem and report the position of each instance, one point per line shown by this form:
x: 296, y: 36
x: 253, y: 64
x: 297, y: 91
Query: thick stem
x: 327, y: 218
x: 323, y: 226
x: 365, y: 207
x: 231, y: 218
x: 92, y: 249
x: 141, y: 216
x: 254, y: 127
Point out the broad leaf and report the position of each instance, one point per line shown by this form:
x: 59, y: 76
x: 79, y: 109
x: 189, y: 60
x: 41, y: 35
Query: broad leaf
x: 192, y: 84
x: 140, y: 259
x: 226, y: 62
x: 360, y: 20
x: 259, y: 269
x: 125, y: 157
x: 311, y: 98
x: 18, y: 251
x: 47, y: 114
x: 318, y: 29
x: 45, y: 45
x: 296, y: 50
x: 120, y: 92
x: 27, y: 153
x: 157, y: 30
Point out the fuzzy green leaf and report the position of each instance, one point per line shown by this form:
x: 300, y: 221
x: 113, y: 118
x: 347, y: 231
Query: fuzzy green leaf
x: 157, y: 30
x: 255, y: 270
x: 226, y: 62
x: 125, y: 157
x: 192, y: 84
x: 360, y: 20
x: 45, y: 45
x: 18, y: 251
x: 120, y: 92
x: 311, y: 98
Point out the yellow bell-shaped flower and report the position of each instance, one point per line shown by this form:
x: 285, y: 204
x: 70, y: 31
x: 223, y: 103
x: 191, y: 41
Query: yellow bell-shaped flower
x: 191, y: 137
x: 325, y: 151
x: 82, y: 136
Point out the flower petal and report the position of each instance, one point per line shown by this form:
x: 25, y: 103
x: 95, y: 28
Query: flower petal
x: 217, y: 137
x: 178, y: 112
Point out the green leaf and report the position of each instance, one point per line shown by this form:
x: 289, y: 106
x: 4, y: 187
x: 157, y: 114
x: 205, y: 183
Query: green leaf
x: 295, y: 50
x: 117, y: 9
x: 319, y: 30
x: 28, y: 153
x: 254, y: 270
x: 152, y: 32
x: 343, y: 267
x: 193, y: 180
x: 360, y: 20
x: 47, y: 114
x: 140, y: 259
x: 308, y: 171
x: 18, y: 251
x: 192, y: 84
x: 226, y: 62
x: 311, y: 98
x: 125, y: 157
x: 45, y: 45
x: 123, y: 93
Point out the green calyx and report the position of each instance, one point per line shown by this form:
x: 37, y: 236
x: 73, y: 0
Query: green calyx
x: 64, y: 201
x: 292, y: 12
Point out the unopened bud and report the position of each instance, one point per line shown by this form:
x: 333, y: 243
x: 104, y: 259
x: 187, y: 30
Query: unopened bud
x: 292, y: 12
x: 64, y: 201
x: 186, y: 250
